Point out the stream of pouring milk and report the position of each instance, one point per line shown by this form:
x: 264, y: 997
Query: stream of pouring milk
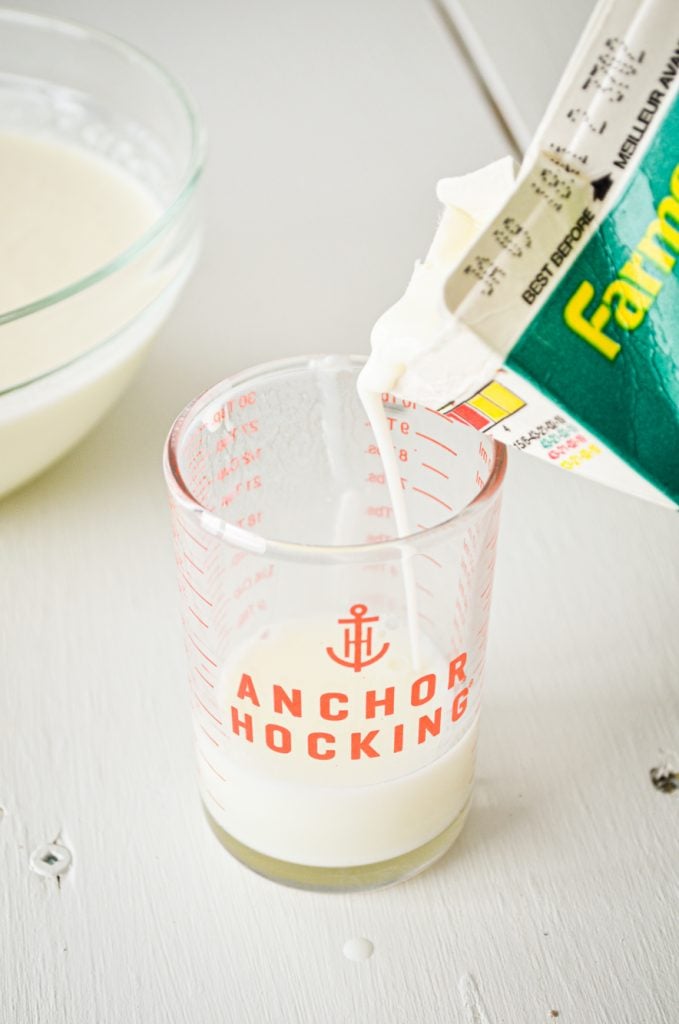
x: 372, y: 403
x: 343, y: 774
x: 419, y: 323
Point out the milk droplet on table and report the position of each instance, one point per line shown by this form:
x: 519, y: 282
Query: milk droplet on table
x: 358, y: 949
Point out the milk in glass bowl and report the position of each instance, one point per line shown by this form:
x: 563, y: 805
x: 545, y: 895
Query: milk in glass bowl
x: 100, y: 158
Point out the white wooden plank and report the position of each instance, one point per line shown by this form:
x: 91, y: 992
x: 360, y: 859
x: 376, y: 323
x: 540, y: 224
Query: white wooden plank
x: 561, y: 893
x: 568, y: 837
x: 521, y: 49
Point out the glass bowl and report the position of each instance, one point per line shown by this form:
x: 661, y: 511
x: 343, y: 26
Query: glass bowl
x: 66, y: 354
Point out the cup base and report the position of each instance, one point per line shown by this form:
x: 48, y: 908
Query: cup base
x: 342, y: 879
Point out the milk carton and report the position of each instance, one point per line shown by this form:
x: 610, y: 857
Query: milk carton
x: 547, y: 311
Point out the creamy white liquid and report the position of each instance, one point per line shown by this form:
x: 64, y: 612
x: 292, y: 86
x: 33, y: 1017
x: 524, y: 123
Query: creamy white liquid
x: 335, y: 811
x: 418, y: 351
x: 414, y: 333
x: 374, y: 409
x: 66, y: 213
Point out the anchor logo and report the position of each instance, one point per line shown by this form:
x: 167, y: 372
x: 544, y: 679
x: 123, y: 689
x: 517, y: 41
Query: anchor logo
x: 358, y: 640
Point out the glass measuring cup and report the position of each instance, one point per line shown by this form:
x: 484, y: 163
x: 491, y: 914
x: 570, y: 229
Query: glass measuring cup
x: 335, y: 704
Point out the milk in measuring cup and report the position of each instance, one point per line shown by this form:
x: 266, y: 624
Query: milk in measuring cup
x: 317, y: 771
x: 327, y: 738
x: 547, y: 311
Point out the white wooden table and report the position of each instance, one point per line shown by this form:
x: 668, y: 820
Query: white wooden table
x: 329, y: 124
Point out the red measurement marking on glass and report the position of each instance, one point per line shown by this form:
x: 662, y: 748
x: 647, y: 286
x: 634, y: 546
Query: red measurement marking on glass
x: 426, y: 618
x: 434, y: 498
x: 426, y: 437
x: 211, y: 738
x: 204, y: 678
x: 424, y: 590
x: 211, y: 766
x: 197, y: 592
x: 214, y: 799
x: 255, y: 580
x: 198, y: 618
x: 250, y: 520
x: 201, y: 652
x: 421, y: 526
x: 191, y: 562
x: 206, y: 708
x: 425, y: 465
x: 432, y: 560
x: 194, y: 539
